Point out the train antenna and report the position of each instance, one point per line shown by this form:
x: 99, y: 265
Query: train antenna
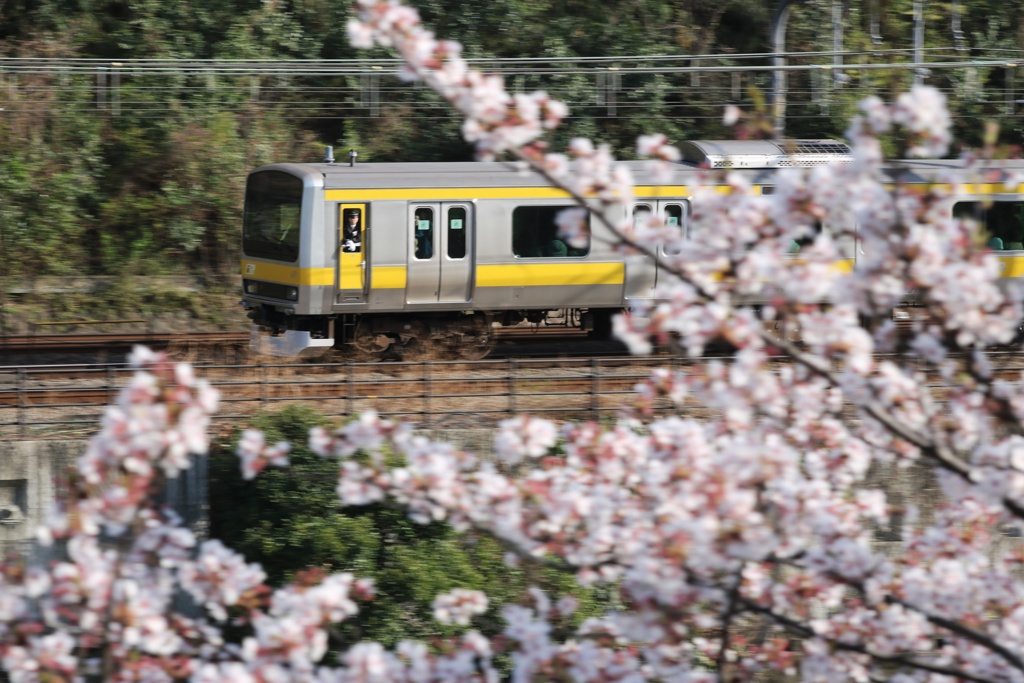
x: 352, y: 154
x: 329, y: 155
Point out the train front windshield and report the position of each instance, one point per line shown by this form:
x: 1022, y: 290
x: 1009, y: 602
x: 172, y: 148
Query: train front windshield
x: 273, y: 208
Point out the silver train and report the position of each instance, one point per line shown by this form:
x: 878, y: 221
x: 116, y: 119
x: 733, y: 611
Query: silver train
x: 408, y: 259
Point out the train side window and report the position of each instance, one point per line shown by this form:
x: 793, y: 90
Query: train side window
x: 1002, y: 223
x: 535, y: 233
x: 423, y: 232
x: 456, y: 232
x: 640, y: 210
x: 807, y: 239
x: 676, y: 216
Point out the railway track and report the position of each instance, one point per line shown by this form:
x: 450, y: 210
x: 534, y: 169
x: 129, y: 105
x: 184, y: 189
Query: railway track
x: 113, y: 341
x: 29, y: 344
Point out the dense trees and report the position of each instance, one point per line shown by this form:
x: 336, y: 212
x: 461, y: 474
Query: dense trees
x: 290, y: 520
x: 106, y: 170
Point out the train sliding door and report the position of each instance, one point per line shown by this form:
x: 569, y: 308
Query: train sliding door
x: 440, y: 252
x: 353, y: 238
x: 676, y: 215
x: 643, y: 279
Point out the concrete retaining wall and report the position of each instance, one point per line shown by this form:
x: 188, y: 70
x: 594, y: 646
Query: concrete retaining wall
x: 30, y: 473
x: 31, y: 476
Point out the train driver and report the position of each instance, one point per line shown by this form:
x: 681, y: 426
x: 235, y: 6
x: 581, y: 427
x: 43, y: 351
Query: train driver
x: 352, y: 240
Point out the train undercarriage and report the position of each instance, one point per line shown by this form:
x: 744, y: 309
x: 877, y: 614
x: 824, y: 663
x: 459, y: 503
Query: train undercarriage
x: 459, y: 335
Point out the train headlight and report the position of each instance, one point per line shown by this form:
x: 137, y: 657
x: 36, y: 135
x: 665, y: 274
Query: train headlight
x: 270, y: 290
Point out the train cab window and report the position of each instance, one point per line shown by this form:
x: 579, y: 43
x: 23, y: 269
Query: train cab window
x: 1002, y: 223
x: 273, y: 213
x: 456, y: 228
x: 535, y: 233
x: 423, y: 233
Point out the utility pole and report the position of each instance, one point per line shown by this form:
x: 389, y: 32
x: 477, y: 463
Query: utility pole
x: 919, y: 71
x: 780, y: 17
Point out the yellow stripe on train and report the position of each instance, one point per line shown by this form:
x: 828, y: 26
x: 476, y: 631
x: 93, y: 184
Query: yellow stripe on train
x: 288, y: 275
x: 506, y: 275
x: 466, y: 194
x: 1011, y: 266
x: 503, y: 275
x: 550, y: 274
x: 388, y: 277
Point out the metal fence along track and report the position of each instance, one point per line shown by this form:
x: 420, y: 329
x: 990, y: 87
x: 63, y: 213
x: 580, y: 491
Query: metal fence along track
x: 67, y: 401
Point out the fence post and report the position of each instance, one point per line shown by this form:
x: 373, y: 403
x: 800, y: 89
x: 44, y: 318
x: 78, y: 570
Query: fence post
x: 22, y: 392
x: 427, y: 388
x: 595, y: 389
x: 263, y: 385
x: 110, y: 385
x: 349, y: 401
x: 512, y: 369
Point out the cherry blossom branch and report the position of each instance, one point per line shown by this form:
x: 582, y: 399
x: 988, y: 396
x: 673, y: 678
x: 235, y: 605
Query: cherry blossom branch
x: 963, y: 631
x: 805, y: 631
x: 951, y: 625
x: 943, y: 455
x: 726, y: 627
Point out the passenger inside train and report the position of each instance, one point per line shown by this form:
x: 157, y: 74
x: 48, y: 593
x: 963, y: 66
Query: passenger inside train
x: 1003, y: 222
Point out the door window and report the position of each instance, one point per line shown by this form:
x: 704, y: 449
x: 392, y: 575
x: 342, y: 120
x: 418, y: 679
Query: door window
x: 423, y: 233
x: 456, y: 228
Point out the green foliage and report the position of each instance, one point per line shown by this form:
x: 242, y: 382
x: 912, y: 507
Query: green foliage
x: 112, y: 172
x: 289, y: 519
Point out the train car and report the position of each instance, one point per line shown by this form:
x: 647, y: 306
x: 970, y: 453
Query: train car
x: 413, y: 259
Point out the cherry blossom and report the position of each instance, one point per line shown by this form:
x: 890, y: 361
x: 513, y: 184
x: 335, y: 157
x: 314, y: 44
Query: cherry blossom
x: 732, y: 507
x: 256, y: 455
x: 459, y: 606
x: 761, y: 511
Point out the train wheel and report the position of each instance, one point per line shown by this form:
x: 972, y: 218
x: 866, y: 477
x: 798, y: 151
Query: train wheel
x: 476, y: 342
x: 415, y: 350
x: 474, y: 348
x: 366, y: 347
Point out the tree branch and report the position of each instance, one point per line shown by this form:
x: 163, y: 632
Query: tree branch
x: 806, y: 631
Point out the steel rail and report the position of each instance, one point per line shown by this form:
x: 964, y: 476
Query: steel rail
x: 119, y: 340
x: 39, y: 342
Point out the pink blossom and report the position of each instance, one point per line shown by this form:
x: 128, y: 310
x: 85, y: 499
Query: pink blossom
x: 732, y: 115
x: 729, y: 495
x: 459, y: 606
x: 257, y: 455
x: 524, y: 437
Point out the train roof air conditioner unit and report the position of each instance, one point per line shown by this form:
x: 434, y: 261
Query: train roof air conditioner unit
x: 764, y: 153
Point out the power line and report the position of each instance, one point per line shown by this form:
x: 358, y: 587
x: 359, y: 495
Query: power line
x: 537, y: 66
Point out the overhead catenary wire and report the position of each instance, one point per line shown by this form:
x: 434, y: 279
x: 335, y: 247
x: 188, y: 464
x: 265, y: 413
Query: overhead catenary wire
x: 69, y: 88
